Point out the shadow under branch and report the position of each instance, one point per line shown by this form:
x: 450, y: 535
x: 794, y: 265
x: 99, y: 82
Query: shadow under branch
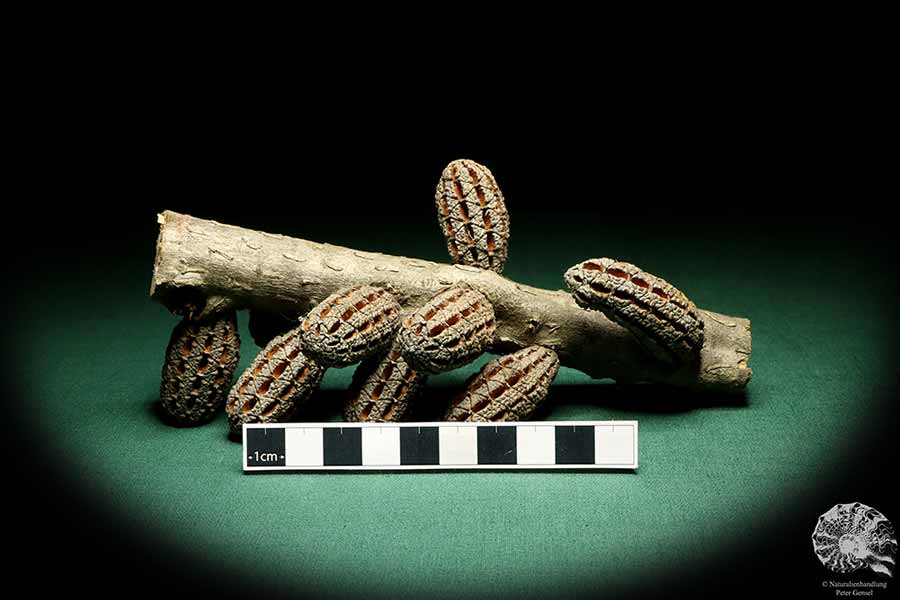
x: 325, y: 405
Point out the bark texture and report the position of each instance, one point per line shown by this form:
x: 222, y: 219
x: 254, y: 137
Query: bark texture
x: 203, y: 267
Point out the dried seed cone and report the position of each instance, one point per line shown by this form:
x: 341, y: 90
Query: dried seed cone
x: 450, y: 330
x: 275, y: 384
x: 383, y: 388
x: 200, y: 363
x: 472, y: 215
x: 508, y: 388
x: 265, y: 326
x: 350, y: 326
x: 659, y: 315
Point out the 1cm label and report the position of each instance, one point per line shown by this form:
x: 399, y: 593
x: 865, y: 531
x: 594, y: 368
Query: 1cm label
x: 264, y: 456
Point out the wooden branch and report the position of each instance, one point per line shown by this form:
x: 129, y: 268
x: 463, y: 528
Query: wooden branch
x: 203, y: 267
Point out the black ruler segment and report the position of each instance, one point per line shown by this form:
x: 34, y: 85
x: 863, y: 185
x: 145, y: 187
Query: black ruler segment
x: 265, y: 447
x: 574, y: 445
x: 342, y: 446
x: 496, y: 445
x: 419, y: 446
x: 427, y: 446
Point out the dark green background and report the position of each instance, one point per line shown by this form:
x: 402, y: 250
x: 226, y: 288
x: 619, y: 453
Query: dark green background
x: 755, y: 175
x: 757, y: 187
x: 728, y: 487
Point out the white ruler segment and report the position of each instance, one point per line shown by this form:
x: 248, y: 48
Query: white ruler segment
x: 595, y: 445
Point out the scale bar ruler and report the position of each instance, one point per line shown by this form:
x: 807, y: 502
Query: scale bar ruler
x: 595, y: 445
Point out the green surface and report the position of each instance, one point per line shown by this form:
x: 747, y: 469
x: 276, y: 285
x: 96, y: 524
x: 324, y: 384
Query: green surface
x: 710, y: 469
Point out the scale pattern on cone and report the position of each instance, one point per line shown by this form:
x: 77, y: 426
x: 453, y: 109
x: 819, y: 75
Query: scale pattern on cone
x: 383, y: 388
x: 473, y: 215
x: 199, y: 365
x: 275, y: 384
x: 509, y: 388
x: 350, y: 326
x: 657, y: 313
x: 450, y: 330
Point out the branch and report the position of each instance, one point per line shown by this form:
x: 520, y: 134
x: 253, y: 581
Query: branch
x: 203, y: 267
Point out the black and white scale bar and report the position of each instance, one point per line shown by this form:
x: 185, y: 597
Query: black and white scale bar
x: 441, y: 446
